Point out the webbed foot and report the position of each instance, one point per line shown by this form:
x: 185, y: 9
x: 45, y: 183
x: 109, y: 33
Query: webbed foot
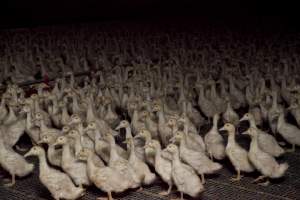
x: 9, y: 184
x: 235, y: 179
x: 258, y: 179
x: 164, y: 193
x: 265, y: 183
x: 102, y: 198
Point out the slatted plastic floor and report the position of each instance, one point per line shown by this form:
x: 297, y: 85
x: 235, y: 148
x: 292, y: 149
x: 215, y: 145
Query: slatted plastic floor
x: 217, y: 186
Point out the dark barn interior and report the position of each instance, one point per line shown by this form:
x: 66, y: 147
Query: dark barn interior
x: 149, y: 100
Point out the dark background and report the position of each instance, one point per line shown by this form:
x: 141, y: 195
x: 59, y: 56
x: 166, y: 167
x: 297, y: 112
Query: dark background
x: 24, y: 13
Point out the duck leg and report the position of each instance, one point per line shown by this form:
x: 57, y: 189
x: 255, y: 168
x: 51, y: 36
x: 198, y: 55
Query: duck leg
x: 166, y: 193
x: 202, y: 178
x: 140, y: 189
x: 238, y: 177
x: 109, y: 197
x: 13, y: 181
x: 258, y: 179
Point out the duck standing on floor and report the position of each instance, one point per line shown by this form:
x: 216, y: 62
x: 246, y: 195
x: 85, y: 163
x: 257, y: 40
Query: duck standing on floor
x: 74, y: 168
x: 163, y: 166
x: 214, y: 142
x: 289, y: 132
x: 141, y: 168
x: 105, y: 178
x: 198, y: 160
x: 236, y: 154
x: 58, y: 183
x: 13, y: 162
x: 263, y: 161
x: 184, y: 176
x: 266, y: 142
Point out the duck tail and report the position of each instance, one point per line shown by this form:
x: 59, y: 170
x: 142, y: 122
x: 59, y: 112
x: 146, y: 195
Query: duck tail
x: 149, y: 178
x: 281, y: 170
x: 216, y: 167
x: 80, y: 192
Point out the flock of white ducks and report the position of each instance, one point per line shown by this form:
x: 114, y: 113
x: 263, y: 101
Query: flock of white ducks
x: 125, y: 127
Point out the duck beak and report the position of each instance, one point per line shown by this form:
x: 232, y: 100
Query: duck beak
x: 28, y: 154
x: 137, y: 136
x: 172, y: 140
x: 245, y: 133
x: 118, y: 127
x: 243, y: 118
x: 222, y: 129
x: 40, y: 142
x: 126, y: 141
x: 56, y: 144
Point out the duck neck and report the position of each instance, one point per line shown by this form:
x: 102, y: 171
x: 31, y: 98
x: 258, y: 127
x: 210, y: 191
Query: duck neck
x: 113, y: 151
x: 252, y: 122
x: 65, y: 112
x: 12, y: 114
x: 78, y: 144
x: 90, y: 113
x: 147, y: 139
x: 43, y: 125
x: 161, y: 117
x: 157, y: 153
x: 201, y: 92
x: 231, y: 138
x: 281, y: 120
x: 215, y: 123
x: 254, y: 143
x: 128, y: 132
x: 91, y: 168
x: 66, y: 151
x: 28, y: 120
x: 213, y: 90
x: 36, y: 106
x: 55, y: 105
x: 274, y: 102
x: 43, y: 163
x: 175, y: 158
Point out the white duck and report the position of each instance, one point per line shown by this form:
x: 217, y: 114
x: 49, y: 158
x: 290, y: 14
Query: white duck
x: 263, y: 162
x: 289, y: 132
x: 184, y: 176
x: 162, y: 166
x: 74, y: 168
x: 13, y: 162
x: 58, y: 183
x: 266, y: 142
x: 237, y: 155
x: 214, y: 142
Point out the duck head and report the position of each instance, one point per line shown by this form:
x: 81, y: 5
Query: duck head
x: 46, y: 139
x: 73, y: 134
x: 75, y: 119
x: 246, y: 117
x: 61, y: 140
x: 66, y: 129
x: 34, y: 151
x: 229, y: 128
x: 123, y: 124
x: 172, y: 148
